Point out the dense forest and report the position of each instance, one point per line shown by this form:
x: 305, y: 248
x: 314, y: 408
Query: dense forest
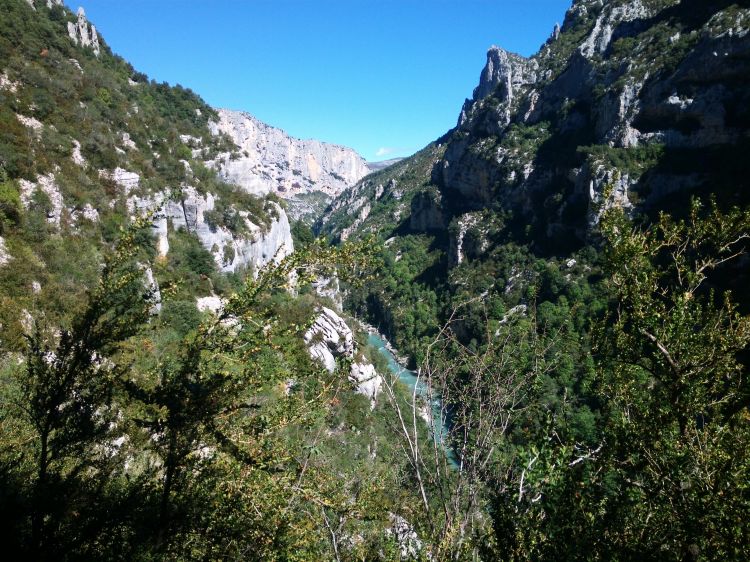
x: 184, y: 375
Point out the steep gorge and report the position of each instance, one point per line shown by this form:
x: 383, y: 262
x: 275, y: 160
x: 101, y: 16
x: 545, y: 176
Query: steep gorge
x: 250, y: 415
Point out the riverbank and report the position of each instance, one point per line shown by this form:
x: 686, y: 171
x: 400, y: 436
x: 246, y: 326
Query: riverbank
x: 402, y: 360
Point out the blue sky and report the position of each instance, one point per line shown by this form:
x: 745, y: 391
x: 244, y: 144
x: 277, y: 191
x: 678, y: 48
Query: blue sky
x: 385, y: 77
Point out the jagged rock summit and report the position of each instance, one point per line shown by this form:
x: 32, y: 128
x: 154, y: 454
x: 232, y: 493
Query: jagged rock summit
x: 82, y: 32
x: 610, y: 109
x: 503, y: 74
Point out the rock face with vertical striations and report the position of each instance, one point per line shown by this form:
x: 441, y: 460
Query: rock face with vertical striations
x: 258, y: 246
x: 503, y: 75
x: 270, y: 161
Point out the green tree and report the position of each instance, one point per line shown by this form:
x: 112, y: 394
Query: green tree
x: 302, y: 234
x: 202, y: 410
x: 666, y: 476
x: 10, y: 204
x: 677, y: 452
x: 66, y: 394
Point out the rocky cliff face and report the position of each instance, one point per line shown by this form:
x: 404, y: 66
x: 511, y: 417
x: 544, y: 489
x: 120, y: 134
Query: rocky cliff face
x: 82, y: 32
x: 257, y: 246
x: 638, y: 104
x: 629, y: 101
x: 635, y: 103
x: 389, y: 196
x: 270, y: 161
x: 503, y: 76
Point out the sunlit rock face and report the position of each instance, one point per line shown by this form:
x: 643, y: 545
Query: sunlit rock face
x: 251, y: 250
x: 330, y: 339
x: 83, y: 33
x: 503, y: 75
x: 267, y: 160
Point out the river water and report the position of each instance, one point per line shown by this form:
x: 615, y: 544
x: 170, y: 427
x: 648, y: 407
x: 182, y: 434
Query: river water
x: 412, y: 381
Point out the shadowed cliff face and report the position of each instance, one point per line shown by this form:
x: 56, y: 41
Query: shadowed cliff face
x: 629, y: 103
x: 635, y: 103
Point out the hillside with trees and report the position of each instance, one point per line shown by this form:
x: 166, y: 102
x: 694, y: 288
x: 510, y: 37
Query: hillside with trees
x: 186, y: 376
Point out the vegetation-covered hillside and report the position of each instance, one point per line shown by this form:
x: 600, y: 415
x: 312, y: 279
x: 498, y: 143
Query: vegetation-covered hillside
x: 135, y: 423
x: 82, y: 136
x: 565, y: 270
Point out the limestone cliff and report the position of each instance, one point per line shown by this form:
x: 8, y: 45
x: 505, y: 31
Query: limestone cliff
x: 330, y: 338
x: 270, y: 161
x: 503, y: 75
x: 257, y: 246
x: 83, y: 33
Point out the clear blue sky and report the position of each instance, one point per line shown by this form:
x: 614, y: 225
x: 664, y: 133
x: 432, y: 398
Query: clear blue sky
x: 385, y: 77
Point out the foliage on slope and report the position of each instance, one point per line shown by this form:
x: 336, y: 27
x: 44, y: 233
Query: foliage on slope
x: 132, y: 425
x: 70, y: 118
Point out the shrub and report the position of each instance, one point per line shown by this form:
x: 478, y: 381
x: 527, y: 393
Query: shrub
x: 10, y: 206
x: 181, y: 316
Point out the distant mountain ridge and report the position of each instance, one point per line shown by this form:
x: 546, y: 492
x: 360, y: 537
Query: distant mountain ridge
x: 307, y: 173
x: 383, y: 164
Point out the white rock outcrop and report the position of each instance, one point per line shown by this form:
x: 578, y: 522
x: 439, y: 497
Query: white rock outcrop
x: 600, y: 36
x: 253, y: 250
x: 506, y: 68
x: 607, y: 188
x: 328, y: 287
x: 149, y: 281
x: 7, y: 84
x: 83, y: 33
x: 30, y: 122
x: 213, y: 304
x: 46, y: 184
x: 127, y: 142
x: 87, y: 212
x: 366, y: 380
x: 408, y: 541
x: 76, y: 155
x: 456, y: 250
x: 330, y: 338
x: 128, y: 181
x: 270, y: 161
x: 139, y: 206
x: 503, y: 74
x: 5, y: 256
